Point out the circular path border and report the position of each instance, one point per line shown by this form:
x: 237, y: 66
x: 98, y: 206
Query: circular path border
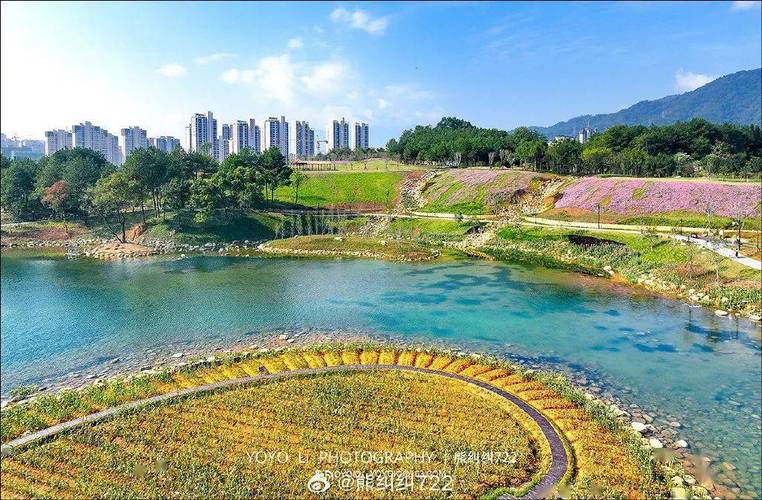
x: 559, y: 460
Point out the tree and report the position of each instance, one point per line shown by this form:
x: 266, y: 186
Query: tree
x: 565, y: 155
x: 17, y: 186
x: 57, y: 198
x: 110, y: 198
x: 80, y: 168
x: 149, y: 169
x: 298, y: 179
x: 237, y: 184
x: 274, y: 170
x: 531, y: 151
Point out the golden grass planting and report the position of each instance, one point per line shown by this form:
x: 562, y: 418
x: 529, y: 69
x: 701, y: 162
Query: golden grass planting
x: 268, y: 439
x: 603, y: 458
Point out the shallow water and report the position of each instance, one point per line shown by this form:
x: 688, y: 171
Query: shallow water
x: 60, y: 316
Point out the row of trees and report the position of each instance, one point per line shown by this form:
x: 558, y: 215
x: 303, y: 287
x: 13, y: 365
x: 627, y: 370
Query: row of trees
x: 80, y: 182
x: 688, y: 148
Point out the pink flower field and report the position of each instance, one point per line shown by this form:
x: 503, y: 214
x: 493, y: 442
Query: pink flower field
x: 640, y: 196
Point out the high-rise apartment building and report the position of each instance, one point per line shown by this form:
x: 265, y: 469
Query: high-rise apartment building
x: 87, y: 135
x: 360, y: 135
x: 338, y: 135
x: 56, y: 140
x: 223, y: 143
x: 133, y: 138
x: 276, y: 134
x: 239, y: 136
x: 255, y: 136
x: 304, y: 140
x: 165, y: 143
x: 202, y: 134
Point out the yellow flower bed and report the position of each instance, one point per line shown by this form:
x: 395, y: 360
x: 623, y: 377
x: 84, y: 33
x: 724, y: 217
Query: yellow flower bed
x: 600, y: 461
x: 217, y: 445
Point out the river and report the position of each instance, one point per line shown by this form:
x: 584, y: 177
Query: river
x: 61, y: 315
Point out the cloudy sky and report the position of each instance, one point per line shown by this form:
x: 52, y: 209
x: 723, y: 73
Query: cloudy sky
x: 391, y: 64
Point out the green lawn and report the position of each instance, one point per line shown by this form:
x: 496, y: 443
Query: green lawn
x: 345, y: 189
x: 443, y: 229
x: 235, y: 228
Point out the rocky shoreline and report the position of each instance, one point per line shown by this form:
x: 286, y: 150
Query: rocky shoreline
x: 658, y: 431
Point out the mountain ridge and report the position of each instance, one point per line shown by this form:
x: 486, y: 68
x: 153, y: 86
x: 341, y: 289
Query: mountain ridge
x: 734, y: 98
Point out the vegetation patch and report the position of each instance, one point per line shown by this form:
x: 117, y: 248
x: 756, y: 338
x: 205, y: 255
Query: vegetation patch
x: 474, y: 192
x: 199, y: 445
x: 352, y: 246
x: 367, y: 190
x: 656, y: 262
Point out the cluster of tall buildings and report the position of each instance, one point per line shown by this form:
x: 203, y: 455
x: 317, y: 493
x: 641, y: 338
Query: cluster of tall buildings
x: 341, y: 136
x: 17, y: 148
x: 114, y: 148
x: 204, y: 135
x: 298, y: 141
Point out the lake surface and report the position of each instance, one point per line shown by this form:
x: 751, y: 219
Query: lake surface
x: 60, y: 316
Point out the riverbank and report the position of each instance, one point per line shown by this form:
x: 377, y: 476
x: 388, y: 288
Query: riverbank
x: 603, y: 413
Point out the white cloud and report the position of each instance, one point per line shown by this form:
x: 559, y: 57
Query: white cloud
x: 326, y: 78
x: 219, y: 56
x: 172, y: 70
x: 295, y: 43
x: 382, y: 104
x: 686, y: 81
x: 272, y: 77
x: 235, y: 75
x: 744, y: 5
x: 360, y: 19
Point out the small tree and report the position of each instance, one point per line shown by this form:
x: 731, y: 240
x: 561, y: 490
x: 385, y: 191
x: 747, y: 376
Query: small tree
x: 298, y: 179
x: 691, y: 252
x: 110, y: 198
x: 651, y: 236
x: 57, y: 197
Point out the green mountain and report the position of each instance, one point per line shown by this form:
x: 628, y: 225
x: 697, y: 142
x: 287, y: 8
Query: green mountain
x: 734, y: 98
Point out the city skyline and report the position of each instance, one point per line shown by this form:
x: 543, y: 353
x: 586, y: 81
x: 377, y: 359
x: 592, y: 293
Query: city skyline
x: 522, y: 64
x: 202, y: 133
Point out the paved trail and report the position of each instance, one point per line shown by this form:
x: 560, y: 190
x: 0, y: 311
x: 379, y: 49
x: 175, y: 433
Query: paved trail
x: 559, y: 460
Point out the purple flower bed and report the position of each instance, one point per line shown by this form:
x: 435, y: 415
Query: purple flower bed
x: 638, y: 196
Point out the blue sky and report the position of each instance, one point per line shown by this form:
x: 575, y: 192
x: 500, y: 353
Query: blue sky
x: 392, y: 64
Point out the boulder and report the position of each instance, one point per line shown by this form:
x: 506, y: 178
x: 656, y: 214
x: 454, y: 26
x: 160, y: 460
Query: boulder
x: 638, y: 427
x: 655, y: 444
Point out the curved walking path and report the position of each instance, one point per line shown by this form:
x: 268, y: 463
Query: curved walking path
x: 559, y: 460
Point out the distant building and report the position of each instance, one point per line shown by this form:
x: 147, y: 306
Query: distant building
x: 276, y: 134
x: 202, y: 134
x: 133, y: 138
x: 56, y: 140
x: 585, y: 134
x: 239, y: 136
x: 165, y: 143
x: 255, y: 136
x: 304, y: 140
x: 87, y: 135
x: 223, y: 143
x: 360, y: 136
x: 16, y: 148
x: 338, y: 135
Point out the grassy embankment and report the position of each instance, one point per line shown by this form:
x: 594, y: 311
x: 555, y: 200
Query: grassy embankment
x: 479, y: 191
x: 379, y: 412
x: 658, y: 263
x: 363, y: 190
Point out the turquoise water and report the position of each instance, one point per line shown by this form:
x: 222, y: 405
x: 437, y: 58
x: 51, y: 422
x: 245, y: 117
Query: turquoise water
x: 60, y: 316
